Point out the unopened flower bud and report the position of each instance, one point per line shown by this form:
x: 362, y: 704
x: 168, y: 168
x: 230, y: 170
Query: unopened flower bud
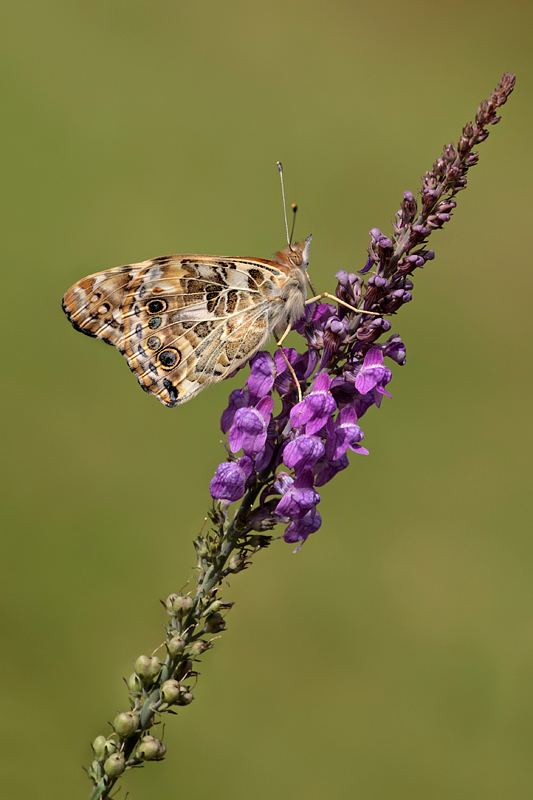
x: 148, y: 668
x: 215, y: 623
x: 135, y: 684
x: 103, y: 747
x: 115, y: 765
x: 199, y: 647
x: 126, y: 724
x: 170, y: 691
x: 150, y: 748
x: 176, y: 645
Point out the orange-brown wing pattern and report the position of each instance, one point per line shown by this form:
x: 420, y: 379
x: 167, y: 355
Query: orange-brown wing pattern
x: 182, y: 322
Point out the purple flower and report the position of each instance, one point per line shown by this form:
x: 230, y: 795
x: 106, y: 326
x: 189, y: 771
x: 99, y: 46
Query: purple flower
x: 303, y: 452
x: 262, y: 374
x: 237, y: 399
x: 300, y: 529
x: 344, y: 433
x: 394, y: 348
x: 325, y: 469
x: 300, y: 498
x: 229, y: 482
x: 373, y: 375
x: 249, y: 429
x: 282, y: 483
x: 316, y: 408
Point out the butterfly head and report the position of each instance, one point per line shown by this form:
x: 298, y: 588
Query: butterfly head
x: 295, y: 255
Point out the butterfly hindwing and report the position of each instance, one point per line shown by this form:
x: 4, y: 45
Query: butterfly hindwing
x: 182, y: 322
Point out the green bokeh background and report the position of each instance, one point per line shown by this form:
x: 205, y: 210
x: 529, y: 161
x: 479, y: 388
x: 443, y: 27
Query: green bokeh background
x: 393, y: 657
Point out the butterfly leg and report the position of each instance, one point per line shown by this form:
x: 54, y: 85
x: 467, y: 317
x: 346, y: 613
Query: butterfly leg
x: 288, y: 363
x: 342, y: 303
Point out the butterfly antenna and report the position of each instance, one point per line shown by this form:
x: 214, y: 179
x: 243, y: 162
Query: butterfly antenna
x: 280, y: 168
x: 294, y: 210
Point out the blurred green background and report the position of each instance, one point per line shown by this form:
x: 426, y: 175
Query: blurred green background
x: 393, y: 657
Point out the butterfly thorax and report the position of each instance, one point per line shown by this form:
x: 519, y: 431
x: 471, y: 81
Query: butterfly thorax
x: 293, y: 261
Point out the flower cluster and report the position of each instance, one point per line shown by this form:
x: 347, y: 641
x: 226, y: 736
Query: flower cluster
x: 342, y: 372
x: 305, y: 444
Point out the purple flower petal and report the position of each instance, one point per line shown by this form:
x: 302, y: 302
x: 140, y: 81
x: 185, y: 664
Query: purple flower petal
x: 262, y: 374
x: 344, y: 433
x: 300, y: 498
x: 373, y: 373
x: 300, y: 529
x: 325, y: 469
x: 237, y: 399
x: 315, y: 409
x: 303, y: 452
x: 249, y: 429
x: 230, y: 479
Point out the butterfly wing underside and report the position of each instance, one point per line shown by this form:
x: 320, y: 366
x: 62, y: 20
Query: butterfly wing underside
x: 182, y: 322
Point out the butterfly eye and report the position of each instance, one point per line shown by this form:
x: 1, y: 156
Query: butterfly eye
x: 156, y: 306
x: 169, y: 358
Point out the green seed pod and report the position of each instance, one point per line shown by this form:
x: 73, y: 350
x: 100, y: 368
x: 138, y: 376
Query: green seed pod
x: 135, y: 684
x: 103, y: 747
x: 214, y: 607
x: 237, y: 563
x: 126, y: 724
x: 176, y: 645
x: 201, y: 549
x: 169, y: 601
x: 148, y: 668
x: 185, y: 697
x: 115, y: 765
x: 150, y: 748
x: 181, y: 605
x: 215, y: 623
x: 170, y: 691
x: 199, y: 647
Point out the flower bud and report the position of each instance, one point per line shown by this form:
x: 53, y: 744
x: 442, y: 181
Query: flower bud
x: 170, y: 691
x: 103, y: 747
x: 126, y: 724
x: 115, y: 765
x: 148, y: 668
x: 135, y: 684
x: 176, y: 645
x: 199, y: 647
x: 215, y: 623
x: 150, y: 748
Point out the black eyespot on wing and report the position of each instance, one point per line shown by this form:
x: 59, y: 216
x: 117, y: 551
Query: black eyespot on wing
x: 156, y: 306
x: 169, y: 358
x: 154, y: 323
x: 153, y: 342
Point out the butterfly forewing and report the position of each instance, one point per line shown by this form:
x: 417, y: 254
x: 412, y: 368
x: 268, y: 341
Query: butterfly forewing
x: 182, y: 322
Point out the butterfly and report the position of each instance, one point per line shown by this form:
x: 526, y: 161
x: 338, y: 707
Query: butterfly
x: 184, y: 322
